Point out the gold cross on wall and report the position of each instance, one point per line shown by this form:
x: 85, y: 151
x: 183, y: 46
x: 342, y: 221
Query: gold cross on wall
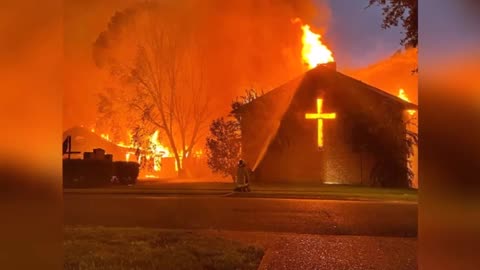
x: 320, y: 116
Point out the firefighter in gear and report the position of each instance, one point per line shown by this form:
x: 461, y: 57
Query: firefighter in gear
x: 243, y: 177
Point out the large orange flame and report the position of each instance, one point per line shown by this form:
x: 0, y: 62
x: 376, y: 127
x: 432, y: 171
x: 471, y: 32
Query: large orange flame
x: 158, y: 150
x: 403, y: 95
x: 314, y: 52
x: 155, y: 151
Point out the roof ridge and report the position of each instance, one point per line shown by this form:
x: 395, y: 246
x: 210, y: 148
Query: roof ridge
x: 327, y: 68
x: 379, y: 91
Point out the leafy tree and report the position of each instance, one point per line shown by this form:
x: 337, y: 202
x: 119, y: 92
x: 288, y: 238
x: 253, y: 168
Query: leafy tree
x: 395, y: 169
x: 250, y: 95
x: 224, y: 142
x: 223, y: 146
x: 404, y: 12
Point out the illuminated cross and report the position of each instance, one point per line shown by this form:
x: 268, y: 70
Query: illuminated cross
x: 320, y: 116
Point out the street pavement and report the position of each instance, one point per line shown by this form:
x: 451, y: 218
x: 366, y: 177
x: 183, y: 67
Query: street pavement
x: 295, y: 233
x: 285, y: 251
x: 326, y: 217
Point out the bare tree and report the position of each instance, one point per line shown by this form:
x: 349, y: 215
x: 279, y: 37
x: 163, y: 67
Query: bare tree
x: 166, y: 82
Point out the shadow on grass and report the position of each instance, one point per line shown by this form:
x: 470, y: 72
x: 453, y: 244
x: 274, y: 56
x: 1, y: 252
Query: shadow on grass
x: 139, y: 248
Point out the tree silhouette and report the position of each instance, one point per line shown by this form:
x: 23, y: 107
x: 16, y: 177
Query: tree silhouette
x: 388, y: 139
x: 160, y: 81
x: 404, y: 12
x: 223, y: 146
x: 224, y: 141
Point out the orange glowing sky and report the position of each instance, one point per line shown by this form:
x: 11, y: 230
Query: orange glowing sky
x: 357, y: 46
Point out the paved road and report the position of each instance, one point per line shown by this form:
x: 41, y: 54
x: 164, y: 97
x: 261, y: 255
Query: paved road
x: 286, y: 251
x: 244, y: 214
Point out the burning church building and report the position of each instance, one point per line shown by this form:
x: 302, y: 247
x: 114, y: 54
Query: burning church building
x: 326, y: 127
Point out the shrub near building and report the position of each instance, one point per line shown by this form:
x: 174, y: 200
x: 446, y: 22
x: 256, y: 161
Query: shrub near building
x: 126, y: 172
x: 97, y: 169
x: 86, y: 173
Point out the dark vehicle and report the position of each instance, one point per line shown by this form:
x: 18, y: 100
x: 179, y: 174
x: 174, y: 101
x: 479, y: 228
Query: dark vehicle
x: 96, y: 169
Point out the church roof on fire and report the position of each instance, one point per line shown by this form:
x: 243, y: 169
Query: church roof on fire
x: 289, y: 88
x: 271, y: 107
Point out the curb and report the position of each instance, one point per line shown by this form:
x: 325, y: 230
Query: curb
x: 227, y: 194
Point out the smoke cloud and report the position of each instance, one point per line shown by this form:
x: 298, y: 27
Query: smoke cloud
x: 392, y: 73
x: 248, y: 43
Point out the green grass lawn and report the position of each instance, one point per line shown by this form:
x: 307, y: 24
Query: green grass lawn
x: 140, y: 248
x: 338, y: 191
x: 266, y: 190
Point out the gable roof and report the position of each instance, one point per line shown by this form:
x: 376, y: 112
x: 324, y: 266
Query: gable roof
x: 84, y: 140
x: 289, y: 88
x: 273, y: 105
